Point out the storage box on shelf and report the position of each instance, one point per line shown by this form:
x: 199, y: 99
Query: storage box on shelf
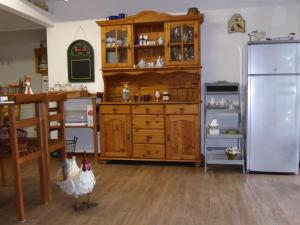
x: 151, y: 51
x: 227, y: 103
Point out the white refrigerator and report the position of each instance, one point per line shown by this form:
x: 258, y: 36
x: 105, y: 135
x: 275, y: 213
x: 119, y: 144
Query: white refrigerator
x: 272, y: 130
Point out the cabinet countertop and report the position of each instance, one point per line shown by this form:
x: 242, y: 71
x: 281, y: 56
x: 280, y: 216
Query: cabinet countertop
x: 146, y: 103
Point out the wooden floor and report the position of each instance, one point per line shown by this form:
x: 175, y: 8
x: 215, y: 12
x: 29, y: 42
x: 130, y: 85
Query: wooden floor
x: 163, y: 194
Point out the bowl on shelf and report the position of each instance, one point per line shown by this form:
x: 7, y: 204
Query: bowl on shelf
x: 232, y: 131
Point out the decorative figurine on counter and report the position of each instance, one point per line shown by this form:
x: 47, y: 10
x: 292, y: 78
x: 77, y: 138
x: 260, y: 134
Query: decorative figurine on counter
x: 27, y: 85
x: 159, y: 62
x: 212, y: 102
x: 157, y: 95
x: 223, y: 102
x: 125, y: 92
x: 214, y: 127
x: 257, y: 36
x: 160, y: 41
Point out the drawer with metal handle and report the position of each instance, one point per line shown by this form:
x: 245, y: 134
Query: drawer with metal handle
x: 148, y: 136
x: 115, y: 109
x: 148, y: 109
x: 148, y: 121
x: 182, y: 109
x: 148, y: 151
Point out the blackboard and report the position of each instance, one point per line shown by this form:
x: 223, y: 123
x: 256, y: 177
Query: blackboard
x: 81, y: 69
x: 81, y: 62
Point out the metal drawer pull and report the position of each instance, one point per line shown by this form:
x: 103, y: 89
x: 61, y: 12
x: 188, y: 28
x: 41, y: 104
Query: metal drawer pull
x: 147, y: 110
x: 115, y: 110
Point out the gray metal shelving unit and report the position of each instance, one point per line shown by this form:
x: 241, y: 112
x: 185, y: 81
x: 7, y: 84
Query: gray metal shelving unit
x: 215, y: 153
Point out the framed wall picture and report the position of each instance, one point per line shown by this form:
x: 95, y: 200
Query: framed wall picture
x: 236, y: 24
x: 80, y: 62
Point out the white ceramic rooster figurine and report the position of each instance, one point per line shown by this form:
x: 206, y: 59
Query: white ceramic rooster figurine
x: 80, y: 181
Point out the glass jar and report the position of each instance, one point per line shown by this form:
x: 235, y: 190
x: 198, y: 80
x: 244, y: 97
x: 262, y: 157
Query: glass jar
x: 165, y: 96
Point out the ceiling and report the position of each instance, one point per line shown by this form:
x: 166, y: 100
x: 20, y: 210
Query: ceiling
x: 11, y: 22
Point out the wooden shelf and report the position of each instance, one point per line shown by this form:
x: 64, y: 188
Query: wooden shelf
x: 114, y: 47
x: 159, y: 70
x: 149, y: 46
x: 149, y: 103
x: 79, y: 126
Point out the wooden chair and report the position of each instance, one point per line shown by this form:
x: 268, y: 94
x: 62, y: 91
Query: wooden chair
x: 3, y: 171
x: 54, y: 126
x: 4, y: 113
x: 30, y: 149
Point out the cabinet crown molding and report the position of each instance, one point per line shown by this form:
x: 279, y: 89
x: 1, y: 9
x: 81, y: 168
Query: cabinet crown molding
x: 149, y: 16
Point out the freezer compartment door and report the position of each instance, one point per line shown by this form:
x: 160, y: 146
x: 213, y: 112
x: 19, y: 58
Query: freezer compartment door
x: 272, y: 124
x: 274, y: 58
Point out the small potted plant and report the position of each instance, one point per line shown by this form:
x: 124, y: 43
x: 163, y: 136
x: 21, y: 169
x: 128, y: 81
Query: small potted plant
x: 232, y: 152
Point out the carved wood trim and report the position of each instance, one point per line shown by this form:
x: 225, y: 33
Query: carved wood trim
x: 149, y: 16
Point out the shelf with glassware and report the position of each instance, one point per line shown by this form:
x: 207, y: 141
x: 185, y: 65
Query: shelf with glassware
x: 223, y: 145
x: 81, y: 122
x: 151, y: 40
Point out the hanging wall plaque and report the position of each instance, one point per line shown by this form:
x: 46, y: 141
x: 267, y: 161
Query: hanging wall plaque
x: 81, y: 62
x: 236, y: 24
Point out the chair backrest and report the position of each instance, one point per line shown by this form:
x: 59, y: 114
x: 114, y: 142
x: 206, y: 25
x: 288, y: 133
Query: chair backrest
x: 54, y: 111
x: 34, y: 145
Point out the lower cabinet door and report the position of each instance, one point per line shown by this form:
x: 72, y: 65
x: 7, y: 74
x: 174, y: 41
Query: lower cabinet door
x: 116, y: 136
x: 182, y: 137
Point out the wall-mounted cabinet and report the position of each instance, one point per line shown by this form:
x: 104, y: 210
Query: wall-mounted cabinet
x: 41, y: 62
x: 151, y: 51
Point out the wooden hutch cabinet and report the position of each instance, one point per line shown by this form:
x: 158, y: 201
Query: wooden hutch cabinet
x: 151, y: 51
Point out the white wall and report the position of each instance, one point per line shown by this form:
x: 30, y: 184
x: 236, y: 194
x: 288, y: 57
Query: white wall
x: 93, y: 9
x: 59, y: 37
x: 17, y: 56
x: 221, y: 52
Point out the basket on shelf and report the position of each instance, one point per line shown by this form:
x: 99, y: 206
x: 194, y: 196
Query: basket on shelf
x: 71, y: 144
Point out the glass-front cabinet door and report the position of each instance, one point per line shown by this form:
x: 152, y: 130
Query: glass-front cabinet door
x: 182, y: 43
x: 116, y: 49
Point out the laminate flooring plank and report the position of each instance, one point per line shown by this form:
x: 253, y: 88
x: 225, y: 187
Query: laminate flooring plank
x: 161, y: 194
